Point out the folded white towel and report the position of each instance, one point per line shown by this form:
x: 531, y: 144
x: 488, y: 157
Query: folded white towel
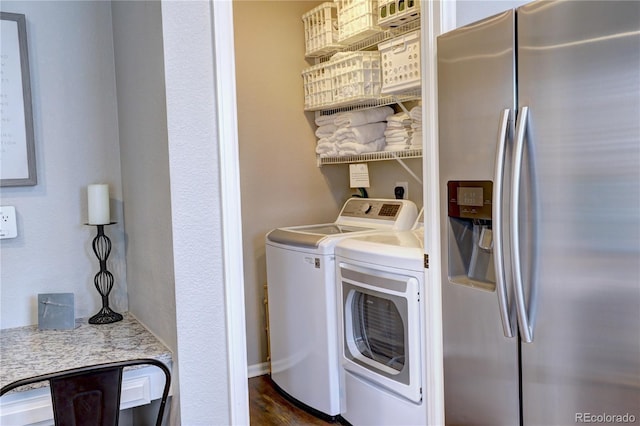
x: 416, y: 139
x: 326, y: 130
x: 329, y: 154
x: 326, y: 146
x: 321, y: 120
x: 331, y: 139
x: 359, y: 118
x: 352, y: 148
x: 397, y: 141
x: 392, y: 148
x: 333, y: 153
x: 400, y: 117
x: 416, y: 113
x: 397, y: 132
x: 361, y: 134
x: 398, y: 126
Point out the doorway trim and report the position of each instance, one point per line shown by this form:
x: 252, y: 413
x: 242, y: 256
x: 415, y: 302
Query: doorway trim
x: 227, y: 129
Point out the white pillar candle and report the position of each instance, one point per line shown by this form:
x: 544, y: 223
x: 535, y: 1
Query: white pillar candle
x: 98, y: 196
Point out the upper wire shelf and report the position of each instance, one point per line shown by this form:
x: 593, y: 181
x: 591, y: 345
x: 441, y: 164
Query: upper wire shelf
x: 372, y: 41
x: 371, y: 156
x: 360, y: 104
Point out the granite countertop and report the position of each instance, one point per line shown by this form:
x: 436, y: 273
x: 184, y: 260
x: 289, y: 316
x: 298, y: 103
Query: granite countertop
x: 27, y: 351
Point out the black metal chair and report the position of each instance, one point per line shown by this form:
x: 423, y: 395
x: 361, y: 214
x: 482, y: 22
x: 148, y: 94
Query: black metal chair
x: 90, y: 396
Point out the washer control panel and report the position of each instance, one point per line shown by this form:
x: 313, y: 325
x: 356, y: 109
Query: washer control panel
x: 373, y: 208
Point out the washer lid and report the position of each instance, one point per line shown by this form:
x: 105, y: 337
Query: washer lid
x: 310, y: 236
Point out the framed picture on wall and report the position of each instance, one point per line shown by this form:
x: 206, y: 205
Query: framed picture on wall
x: 17, y: 148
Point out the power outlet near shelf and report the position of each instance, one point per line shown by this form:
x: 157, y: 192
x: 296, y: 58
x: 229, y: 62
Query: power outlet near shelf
x: 8, y: 226
x: 401, y: 190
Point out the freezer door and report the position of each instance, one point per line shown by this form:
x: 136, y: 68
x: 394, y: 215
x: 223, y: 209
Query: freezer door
x: 579, y: 76
x: 475, y: 86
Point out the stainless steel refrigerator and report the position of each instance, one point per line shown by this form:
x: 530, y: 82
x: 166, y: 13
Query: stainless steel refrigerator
x: 539, y: 144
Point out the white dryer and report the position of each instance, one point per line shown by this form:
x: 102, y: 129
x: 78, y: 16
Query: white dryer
x: 381, y: 305
x: 301, y: 283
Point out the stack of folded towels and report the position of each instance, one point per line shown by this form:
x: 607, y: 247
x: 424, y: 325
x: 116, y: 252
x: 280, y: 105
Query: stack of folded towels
x: 353, y: 132
x: 398, y: 132
x: 416, y: 127
x: 325, y: 132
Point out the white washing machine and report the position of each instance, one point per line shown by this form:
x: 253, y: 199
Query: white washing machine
x: 381, y: 305
x: 301, y: 283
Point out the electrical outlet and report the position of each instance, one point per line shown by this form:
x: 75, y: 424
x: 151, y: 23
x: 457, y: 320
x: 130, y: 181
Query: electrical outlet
x: 405, y: 187
x: 8, y: 228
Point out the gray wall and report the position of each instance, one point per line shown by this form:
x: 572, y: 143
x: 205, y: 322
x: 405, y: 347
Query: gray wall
x: 144, y: 154
x: 144, y: 157
x: 76, y: 138
x: 178, y: 283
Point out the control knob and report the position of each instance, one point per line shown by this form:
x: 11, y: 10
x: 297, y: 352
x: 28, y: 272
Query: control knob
x: 365, y: 208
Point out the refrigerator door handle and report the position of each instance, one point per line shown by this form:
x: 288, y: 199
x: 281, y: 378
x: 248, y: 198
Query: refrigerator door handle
x: 521, y: 308
x: 497, y: 220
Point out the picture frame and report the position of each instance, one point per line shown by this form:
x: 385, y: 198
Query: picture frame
x: 17, y: 145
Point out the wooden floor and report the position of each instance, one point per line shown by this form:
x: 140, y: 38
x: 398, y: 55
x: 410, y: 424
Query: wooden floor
x: 268, y: 407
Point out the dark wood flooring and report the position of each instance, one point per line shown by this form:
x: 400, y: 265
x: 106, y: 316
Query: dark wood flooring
x: 268, y: 407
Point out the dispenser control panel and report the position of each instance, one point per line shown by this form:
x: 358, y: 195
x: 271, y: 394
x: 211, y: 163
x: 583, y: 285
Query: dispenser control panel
x: 470, y: 199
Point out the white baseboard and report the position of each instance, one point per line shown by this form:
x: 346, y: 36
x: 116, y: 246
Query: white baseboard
x: 258, y: 369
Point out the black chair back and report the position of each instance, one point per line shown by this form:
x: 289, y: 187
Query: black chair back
x: 90, y: 396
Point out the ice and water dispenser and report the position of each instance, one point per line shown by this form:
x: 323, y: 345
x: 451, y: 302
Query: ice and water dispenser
x: 470, y: 234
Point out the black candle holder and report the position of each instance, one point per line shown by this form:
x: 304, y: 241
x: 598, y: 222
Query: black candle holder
x: 103, y: 279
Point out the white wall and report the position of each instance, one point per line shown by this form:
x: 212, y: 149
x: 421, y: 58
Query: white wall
x: 196, y: 207
x: 76, y: 140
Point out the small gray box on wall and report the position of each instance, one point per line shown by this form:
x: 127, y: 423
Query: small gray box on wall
x: 56, y: 311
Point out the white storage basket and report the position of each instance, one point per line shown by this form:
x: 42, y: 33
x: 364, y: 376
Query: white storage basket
x: 317, y: 86
x: 357, y: 20
x: 400, y: 58
x: 321, y: 30
x: 393, y: 13
x: 355, y: 76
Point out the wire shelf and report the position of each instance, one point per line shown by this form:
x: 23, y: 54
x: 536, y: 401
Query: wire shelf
x: 359, y: 104
x: 371, y: 42
x: 371, y: 156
